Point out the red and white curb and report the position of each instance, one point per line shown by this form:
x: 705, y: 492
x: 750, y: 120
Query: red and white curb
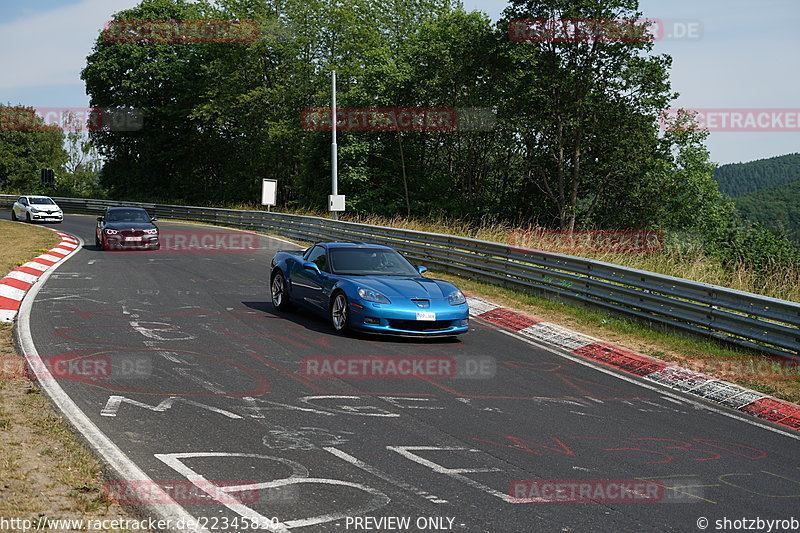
x: 745, y: 400
x: 17, y: 282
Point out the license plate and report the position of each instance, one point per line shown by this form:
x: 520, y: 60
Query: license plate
x: 133, y: 239
x: 426, y: 315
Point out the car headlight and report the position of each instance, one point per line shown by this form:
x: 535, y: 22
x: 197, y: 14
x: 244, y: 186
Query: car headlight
x: 111, y: 232
x: 151, y: 231
x: 34, y: 210
x: 456, y: 298
x: 371, y: 295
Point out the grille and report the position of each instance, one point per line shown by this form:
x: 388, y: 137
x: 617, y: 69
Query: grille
x: 420, y: 325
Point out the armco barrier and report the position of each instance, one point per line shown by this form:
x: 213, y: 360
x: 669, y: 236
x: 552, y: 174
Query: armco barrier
x: 748, y: 320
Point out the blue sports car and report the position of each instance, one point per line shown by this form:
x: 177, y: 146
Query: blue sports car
x: 367, y: 287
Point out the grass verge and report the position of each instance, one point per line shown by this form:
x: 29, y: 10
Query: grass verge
x: 19, y: 242
x: 45, y: 471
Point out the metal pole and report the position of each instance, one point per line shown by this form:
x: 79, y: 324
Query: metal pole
x: 334, y: 155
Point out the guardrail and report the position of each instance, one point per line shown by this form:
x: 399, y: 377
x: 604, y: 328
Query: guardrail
x: 747, y: 320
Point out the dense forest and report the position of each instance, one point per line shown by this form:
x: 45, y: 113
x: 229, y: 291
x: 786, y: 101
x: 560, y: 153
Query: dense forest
x: 738, y: 179
x: 766, y: 191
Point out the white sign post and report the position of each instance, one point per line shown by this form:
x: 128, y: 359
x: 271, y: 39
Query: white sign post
x: 269, y: 193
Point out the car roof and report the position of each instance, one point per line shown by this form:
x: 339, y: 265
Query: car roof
x: 124, y: 208
x: 34, y: 196
x: 352, y: 245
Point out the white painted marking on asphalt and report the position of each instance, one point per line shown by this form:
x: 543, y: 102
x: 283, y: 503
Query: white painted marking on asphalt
x: 186, y: 373
x: 114, y: 402
x: 394, y: 400
x: 255, y: 411
x: 153, y: 333
x: 384, y: 476
x: 91, y: 261
x: 455, y: 473
x: 299, y: 473
x: 641, y: 383
x: 362, y: 410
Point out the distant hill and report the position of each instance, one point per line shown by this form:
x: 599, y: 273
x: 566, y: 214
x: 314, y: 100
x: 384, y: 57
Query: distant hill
x: 776, y: 208
x: 738, y: 179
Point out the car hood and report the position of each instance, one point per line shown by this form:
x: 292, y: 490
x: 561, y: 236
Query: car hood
x: 405, y: 287
x: 47, y: 208
x: 121, y: 226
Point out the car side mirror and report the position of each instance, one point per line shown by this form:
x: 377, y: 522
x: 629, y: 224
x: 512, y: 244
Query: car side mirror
x: 422, y: 269
x: 153, y: 219
x: 311, y: 266
x: 100, y: 219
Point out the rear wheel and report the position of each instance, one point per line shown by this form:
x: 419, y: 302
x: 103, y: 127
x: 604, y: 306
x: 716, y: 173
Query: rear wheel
x: 340, y: 315
x: 278, y: 287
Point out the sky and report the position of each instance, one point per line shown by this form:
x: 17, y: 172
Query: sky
x: 732, y: 55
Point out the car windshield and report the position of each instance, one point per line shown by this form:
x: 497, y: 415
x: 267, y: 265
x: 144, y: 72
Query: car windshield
x: 42, y: 201
x: 128, y: 215
x: 370, y: 262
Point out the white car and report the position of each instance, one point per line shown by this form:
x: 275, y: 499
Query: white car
x: 36, y: 208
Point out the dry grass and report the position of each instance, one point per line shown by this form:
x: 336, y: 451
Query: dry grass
x: 19, y: 242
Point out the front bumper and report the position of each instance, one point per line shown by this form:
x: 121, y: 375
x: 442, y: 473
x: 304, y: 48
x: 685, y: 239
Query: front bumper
x: 47, y: 217
x: 403, y: 318
x: 117, y: 242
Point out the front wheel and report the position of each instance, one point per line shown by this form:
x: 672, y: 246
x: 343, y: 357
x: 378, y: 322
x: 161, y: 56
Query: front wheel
x: 279, y: 297
x: 28, y: 218
x: 13, y: 215
x: 340, y: 315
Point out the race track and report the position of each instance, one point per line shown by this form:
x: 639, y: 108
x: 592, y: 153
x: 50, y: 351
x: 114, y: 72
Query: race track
x: 206, y: 380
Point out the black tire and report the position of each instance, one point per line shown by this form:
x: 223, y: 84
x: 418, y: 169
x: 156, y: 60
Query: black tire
x: 96, y: 240
x: 340, y: 313
x: 13, y: 215
x: 102, y: 245
x: 28, y: 218
x: 278, y: 290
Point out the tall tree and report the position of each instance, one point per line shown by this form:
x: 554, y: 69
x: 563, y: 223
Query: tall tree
x: 27, y: 145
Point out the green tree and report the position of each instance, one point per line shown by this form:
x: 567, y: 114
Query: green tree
x: 27, y: 145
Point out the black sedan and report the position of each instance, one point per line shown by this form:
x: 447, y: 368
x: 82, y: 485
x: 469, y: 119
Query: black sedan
x: 126, y: 228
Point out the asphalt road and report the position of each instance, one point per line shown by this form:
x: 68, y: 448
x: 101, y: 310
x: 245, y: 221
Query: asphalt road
x: 206, y: 380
